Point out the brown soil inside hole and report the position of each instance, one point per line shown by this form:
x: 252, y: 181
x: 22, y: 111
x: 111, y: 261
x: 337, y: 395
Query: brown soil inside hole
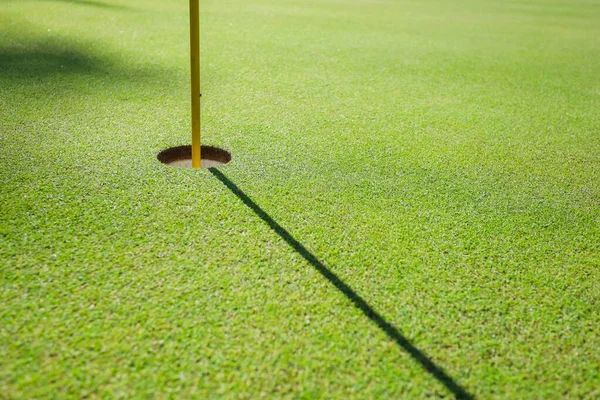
x: 181, y: 156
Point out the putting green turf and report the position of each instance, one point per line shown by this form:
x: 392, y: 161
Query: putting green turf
x: 440, y: 159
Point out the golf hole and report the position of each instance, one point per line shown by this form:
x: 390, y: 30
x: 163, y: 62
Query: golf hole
x: 181, y: 156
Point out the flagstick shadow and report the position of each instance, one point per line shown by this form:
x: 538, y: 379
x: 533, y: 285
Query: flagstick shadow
x: 392, y: 332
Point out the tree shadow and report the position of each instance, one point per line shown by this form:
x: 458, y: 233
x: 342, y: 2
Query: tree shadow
x: 97, y: 4
x: 62, y: 67
x: 391, y: 331
x: 40, y: 62
x: 91, y: 3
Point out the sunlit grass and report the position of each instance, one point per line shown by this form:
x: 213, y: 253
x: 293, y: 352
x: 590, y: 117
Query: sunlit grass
x: 440, y: 158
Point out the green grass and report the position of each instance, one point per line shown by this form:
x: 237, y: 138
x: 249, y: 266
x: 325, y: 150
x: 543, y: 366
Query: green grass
x: 441, y: 160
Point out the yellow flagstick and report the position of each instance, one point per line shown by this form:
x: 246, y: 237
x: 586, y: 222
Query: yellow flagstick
x: 195, y: 70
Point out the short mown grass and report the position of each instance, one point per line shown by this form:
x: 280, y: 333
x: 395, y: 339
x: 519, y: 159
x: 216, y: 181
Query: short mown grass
x: 432, y: 164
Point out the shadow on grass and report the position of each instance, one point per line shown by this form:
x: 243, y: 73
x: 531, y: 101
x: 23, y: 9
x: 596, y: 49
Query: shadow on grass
x: 98, y: 4
x: 41, y: 62
x: 63, y: 67
x: 91, y: 3
x: 391, y: 331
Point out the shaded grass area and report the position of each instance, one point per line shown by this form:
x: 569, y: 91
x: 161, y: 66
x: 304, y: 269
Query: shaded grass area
x: 90, y: 3
x: 441, y: 160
